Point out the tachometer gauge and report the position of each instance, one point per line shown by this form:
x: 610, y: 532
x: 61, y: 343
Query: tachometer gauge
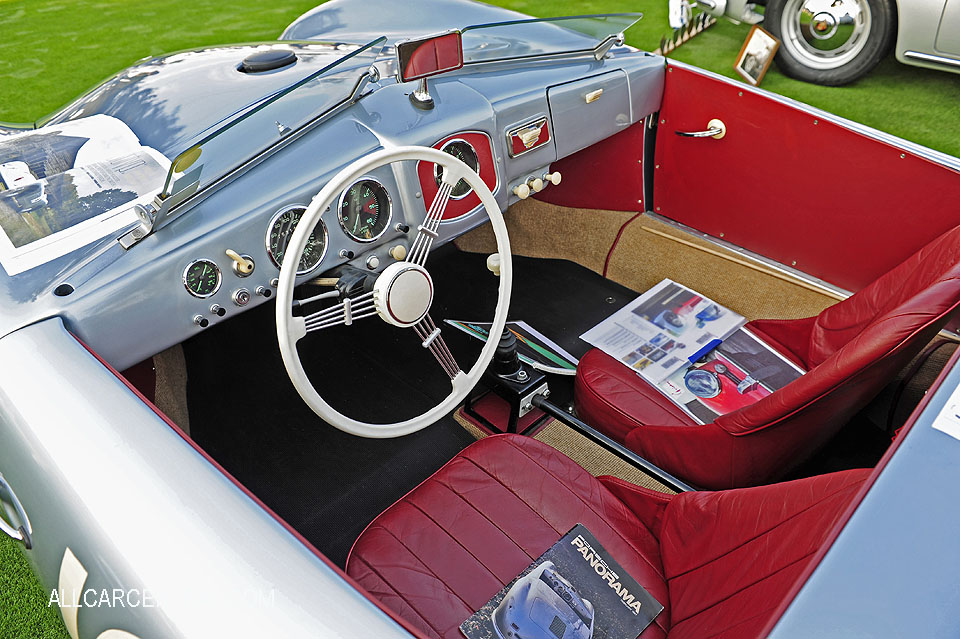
x: 462, y: 150
x: 278, y: 237
x: 202, y: 278
x: 365, y: 210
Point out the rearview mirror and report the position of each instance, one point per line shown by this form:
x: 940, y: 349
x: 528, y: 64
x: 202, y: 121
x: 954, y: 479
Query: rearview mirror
x: 429, y: 56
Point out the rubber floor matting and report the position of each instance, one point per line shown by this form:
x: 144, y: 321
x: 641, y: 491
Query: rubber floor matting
x: 327, y: 484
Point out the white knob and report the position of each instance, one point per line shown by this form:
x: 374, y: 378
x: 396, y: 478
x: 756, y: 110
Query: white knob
x: 399, y: 252
x: 536, y: 184
x: 493, y: 263
x: 553, y: 178
x: 522, y: 191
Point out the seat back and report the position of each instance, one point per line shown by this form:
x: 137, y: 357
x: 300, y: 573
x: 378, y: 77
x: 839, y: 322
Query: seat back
x: 857, y: 346
x: 861, y: 344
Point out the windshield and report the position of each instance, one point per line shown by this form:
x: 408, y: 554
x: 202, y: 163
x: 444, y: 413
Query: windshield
x: 270, y: 120
x: 537, y: 37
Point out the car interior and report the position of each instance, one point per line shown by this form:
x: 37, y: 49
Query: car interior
x: 433, y: 523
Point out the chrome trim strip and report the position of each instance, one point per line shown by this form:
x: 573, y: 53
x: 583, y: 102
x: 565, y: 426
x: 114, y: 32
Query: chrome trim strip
x: 936, y: 59
x: 815, y: 282
x: 919, y: 150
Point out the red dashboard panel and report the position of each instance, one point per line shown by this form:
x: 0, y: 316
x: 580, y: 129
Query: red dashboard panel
x: 488, y: 173
x: 607, y: 175
x: 793, y: 187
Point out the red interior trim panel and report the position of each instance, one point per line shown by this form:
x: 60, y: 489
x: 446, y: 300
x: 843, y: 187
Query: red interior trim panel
x: 792, y: 186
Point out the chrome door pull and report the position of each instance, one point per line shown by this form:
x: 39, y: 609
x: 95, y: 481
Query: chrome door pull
x: 716, y: 129
x: 21, y: 534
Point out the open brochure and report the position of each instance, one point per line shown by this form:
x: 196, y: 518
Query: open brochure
x: 67, y: 185
x: 664, y: 330
x: 575, y: 590
x: 740, y: 371
x: 533, y: 347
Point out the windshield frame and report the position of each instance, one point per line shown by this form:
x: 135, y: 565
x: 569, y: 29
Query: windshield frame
x: 602, y: 45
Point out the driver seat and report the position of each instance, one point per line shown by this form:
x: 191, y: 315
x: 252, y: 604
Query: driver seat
x: 721, y: 563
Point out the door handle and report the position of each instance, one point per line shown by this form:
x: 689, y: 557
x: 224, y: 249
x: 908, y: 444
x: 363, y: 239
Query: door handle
x: 21, y: 533
x: 716, y: 129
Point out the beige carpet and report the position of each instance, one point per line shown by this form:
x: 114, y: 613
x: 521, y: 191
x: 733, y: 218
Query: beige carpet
x: 647, y: 252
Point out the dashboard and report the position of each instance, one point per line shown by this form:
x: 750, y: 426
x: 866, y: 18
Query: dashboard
x: 222, y: 254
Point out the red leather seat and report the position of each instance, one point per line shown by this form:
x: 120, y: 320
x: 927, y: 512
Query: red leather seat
x: 720, y: 563
x: 850, y: 351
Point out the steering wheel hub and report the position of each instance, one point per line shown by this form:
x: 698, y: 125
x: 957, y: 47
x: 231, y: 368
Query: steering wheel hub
x: 403, y: 294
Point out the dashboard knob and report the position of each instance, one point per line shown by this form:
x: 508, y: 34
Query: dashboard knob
x: 493, y: 263
x: 241, y: 297
x: 553, y: 178
x: 346, y: 254
x: 263, y: 291
x: 218, y: 310
x: 522, y: 191
x: 373, y: 262
x: 201, y: 321
x: 398, y: 252
x: 536, y: 184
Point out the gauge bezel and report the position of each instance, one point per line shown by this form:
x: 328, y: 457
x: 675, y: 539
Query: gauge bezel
x: 436, y: 177
x: 216, y: 288
x: 273, y: 220
x: 366, y: 178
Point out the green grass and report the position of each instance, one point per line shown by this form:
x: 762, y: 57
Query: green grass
x: 23, y: 601
x: 53, y: 50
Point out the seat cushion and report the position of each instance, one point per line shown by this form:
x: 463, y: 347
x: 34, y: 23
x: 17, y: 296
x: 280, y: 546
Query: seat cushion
x: 442, y: 551
x: 614, y: 399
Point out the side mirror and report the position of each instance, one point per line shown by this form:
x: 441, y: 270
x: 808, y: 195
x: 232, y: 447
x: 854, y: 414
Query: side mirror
x: 419, y: 59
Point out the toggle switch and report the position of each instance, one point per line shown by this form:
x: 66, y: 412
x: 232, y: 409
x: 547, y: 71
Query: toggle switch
x: 242, y: 264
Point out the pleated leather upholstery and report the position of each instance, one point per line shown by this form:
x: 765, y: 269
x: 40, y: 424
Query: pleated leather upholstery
x: 851, y: 350
x: 442, y: 551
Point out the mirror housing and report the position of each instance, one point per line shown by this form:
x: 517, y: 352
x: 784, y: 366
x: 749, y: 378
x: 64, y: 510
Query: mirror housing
x: 429, y: 56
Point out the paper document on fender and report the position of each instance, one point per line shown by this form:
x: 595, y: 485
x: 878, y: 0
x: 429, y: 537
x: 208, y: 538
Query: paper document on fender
x: 664, y: 330
x: 66, y: 185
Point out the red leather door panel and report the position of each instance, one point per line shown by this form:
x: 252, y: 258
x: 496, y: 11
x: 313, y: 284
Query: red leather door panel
x: 792, y: 186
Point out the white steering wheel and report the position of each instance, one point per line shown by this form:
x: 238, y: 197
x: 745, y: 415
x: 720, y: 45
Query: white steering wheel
x: 402, y: 294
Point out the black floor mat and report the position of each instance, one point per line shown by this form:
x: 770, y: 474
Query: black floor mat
x: 325, y: 483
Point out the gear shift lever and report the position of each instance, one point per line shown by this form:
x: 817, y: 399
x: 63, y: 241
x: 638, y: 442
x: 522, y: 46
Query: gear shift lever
x: 506, y: 363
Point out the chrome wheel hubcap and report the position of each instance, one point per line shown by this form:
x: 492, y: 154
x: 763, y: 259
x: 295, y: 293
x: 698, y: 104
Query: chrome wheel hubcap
x: 825, y: 34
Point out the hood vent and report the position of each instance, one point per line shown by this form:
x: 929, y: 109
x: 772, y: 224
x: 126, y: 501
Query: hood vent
x: 262, y: 61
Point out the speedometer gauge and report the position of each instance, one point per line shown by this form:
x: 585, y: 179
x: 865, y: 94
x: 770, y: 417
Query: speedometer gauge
x: 365, y: 210
x: 202, y: 278
x: 278, y: 237
x: 464, y: 151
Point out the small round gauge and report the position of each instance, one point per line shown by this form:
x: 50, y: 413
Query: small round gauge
x: 281, y: 230
x: 202, y: 278
x: 462, y: 150
x: 365, y: 210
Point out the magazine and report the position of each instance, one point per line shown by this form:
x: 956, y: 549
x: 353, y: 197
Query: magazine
x: 575, y: 590
x: 664, y: 330
x: 533, y: 347
x: 67, y: 185
x: 739, y: 372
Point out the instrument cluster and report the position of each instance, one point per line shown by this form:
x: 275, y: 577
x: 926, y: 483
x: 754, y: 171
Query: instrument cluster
x: 366, y: 215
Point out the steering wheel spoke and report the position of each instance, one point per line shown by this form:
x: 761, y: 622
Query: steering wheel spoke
x: 431, y: 338
x: 346, y: 312
x: 427, y: 232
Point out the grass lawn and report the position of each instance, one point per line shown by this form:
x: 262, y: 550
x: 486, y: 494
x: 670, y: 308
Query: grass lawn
x: 53, y: 50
